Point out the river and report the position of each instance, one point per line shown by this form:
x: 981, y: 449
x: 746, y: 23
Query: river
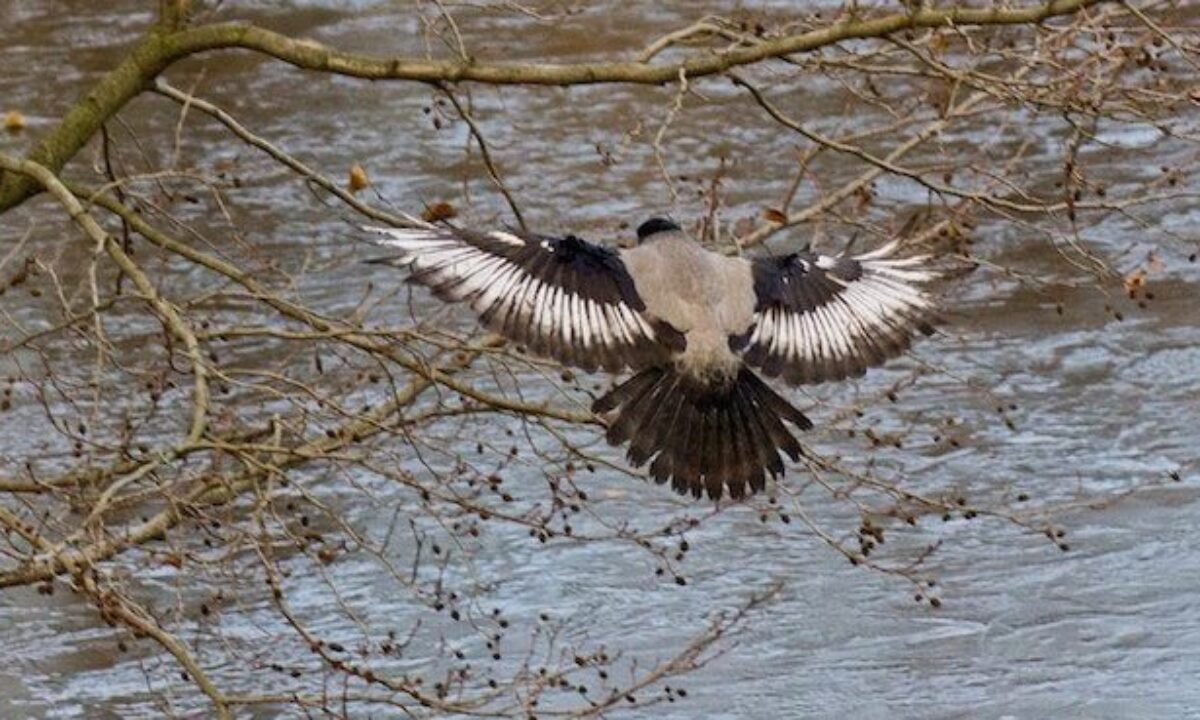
x: 1105, y: 409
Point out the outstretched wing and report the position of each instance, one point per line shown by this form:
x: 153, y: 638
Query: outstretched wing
x: 820, y: 318
x: 564, y: 298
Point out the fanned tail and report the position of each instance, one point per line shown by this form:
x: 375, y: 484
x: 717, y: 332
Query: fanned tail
x: 703, y: 436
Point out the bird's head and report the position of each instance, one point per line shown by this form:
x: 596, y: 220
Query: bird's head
x: 653, y: 226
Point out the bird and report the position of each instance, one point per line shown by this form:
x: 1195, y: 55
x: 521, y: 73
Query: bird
x: 698, y: 329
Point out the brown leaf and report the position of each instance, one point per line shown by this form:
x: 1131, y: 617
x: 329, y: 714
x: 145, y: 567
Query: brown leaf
x: 358, y: 178
x: 775, y: 216
x: 864, y: 196
x: 14, y: 121
x: 938, y: 43
x: 1134, y: 280
x: 438, y: 212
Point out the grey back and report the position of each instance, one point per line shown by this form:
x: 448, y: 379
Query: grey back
x: 703, y: 294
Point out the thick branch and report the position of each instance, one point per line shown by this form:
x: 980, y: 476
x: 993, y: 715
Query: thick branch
x: 160, y: 49
x: 105, y: 99
x: 314, y: 56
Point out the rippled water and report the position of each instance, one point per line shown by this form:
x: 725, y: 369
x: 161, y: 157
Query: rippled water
x: 1110, y: 629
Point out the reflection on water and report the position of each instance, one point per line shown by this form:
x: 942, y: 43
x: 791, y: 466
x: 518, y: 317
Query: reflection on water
x: 1109, y: 630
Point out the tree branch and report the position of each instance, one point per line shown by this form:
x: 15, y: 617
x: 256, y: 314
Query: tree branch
x: 162, y: 47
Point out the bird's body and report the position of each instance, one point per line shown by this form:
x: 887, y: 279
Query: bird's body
x: 691, y: 323
x: 699, y: 293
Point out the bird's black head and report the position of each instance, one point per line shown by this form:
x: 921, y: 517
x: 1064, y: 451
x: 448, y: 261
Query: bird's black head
x: 653, y: 226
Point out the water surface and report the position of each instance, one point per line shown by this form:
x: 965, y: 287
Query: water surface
x: 1110, y: 629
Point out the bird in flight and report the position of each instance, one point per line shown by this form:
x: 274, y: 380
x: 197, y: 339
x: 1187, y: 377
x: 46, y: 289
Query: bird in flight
x: 693, y: 325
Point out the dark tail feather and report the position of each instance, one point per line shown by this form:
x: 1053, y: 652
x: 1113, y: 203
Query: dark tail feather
x: 628, y: 390
x: 702, y: 436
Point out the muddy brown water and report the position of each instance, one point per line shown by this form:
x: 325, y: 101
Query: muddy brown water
x: 1110, y: 629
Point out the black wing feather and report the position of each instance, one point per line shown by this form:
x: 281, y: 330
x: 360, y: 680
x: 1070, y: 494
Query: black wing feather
x: 560, y: 296
x: 820, y: 318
